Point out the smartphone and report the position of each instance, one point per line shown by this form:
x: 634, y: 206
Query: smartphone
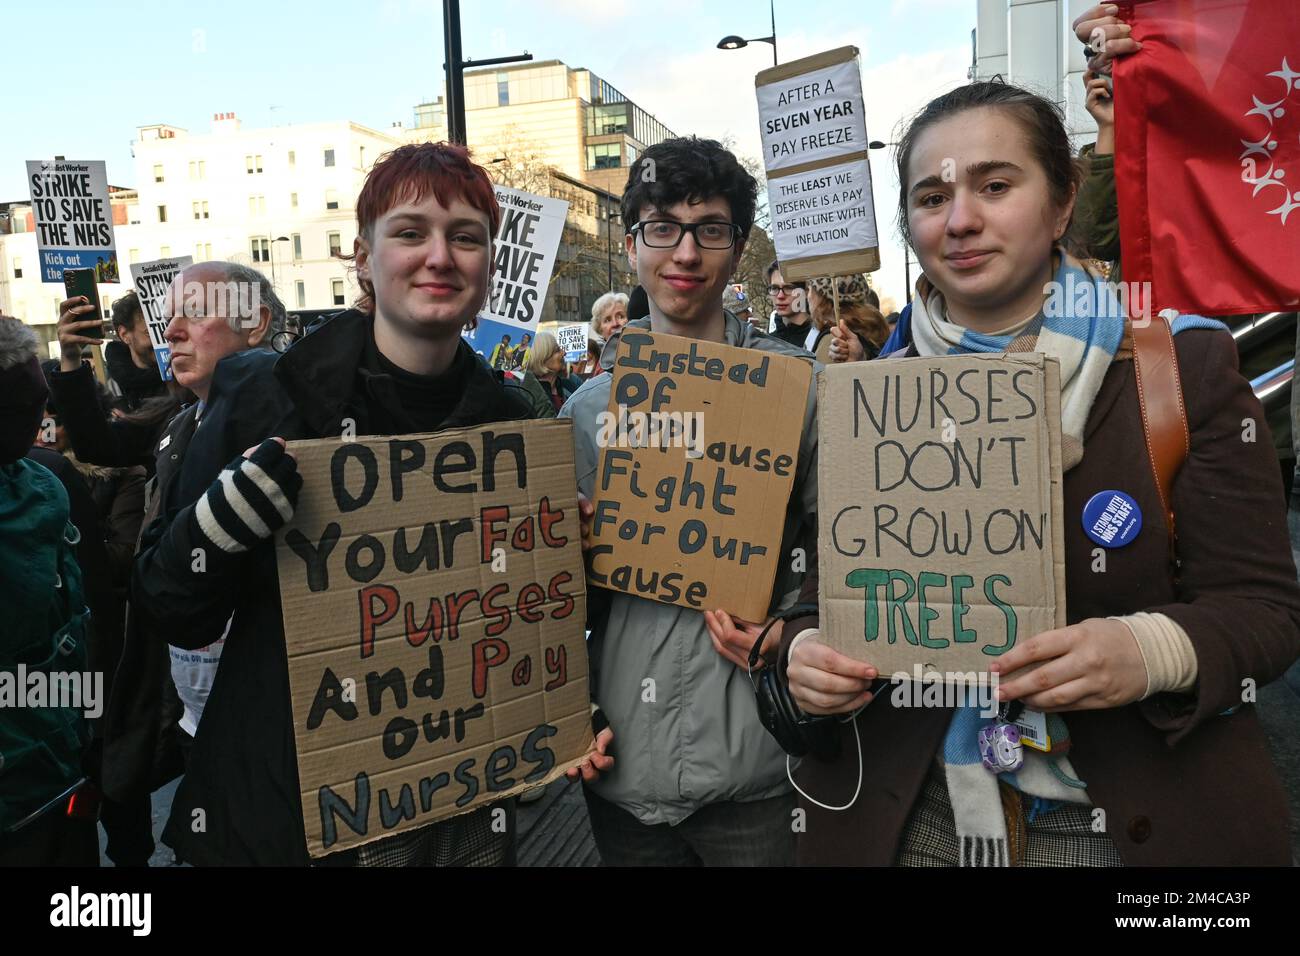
x: 82, y: 282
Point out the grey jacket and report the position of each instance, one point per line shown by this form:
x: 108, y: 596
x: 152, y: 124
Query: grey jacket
x: 686, y: 731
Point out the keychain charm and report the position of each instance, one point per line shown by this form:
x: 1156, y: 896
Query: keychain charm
x: 1000, y: 748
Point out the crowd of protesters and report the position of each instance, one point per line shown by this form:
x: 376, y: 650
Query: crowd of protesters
x: 106, y: 498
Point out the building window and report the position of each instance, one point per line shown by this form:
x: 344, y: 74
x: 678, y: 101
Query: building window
x: 329, y: 157
x: 336, y: 245
x: 162, y: 213
x: 503, y: 89
x: 18, y: 268
x: 133, y: 256
x: 293, y: 200
x: 331, y: 199
x: 261, y: 250
x: 200, y: 210
x: 202, y: 251
x: 194, y: 170
x: 361, y: 156
x: 297, y: 247
x: 253, y: 164
x: 604, y: 156
x: 293, y: 159
x: 164, y: 252
x: 157, y: 173
x: 203, y: 169
x: 301, y: 289
x: 336, y: 289
x: 257, y: 205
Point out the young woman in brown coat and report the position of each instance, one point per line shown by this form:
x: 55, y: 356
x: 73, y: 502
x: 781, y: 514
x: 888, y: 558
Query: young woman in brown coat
x: 1153, y: 677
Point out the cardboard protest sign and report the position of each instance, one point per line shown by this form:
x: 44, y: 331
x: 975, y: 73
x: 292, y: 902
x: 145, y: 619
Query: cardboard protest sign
x: 699, y: 449
x: 151, y: 281
x: 526, y: 247
x: 434, y: 611
x: 939, y: 493
x: 818, y: 177
x: 573, y: 341
x: 73, y: 217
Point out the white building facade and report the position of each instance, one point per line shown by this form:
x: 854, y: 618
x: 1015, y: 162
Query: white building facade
x: 280, y: 199
x: 1031, y: 43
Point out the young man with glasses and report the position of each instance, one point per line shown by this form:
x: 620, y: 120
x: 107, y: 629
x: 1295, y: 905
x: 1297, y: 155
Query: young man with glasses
x: 790, y: 301
x: 696, y: 780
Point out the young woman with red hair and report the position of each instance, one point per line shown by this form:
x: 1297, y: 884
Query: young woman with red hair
x: 395, y: 364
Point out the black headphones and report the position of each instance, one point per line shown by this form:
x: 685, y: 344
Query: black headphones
x: 797, y: 733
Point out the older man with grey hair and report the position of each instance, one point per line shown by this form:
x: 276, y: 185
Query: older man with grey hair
x: 215, y: 310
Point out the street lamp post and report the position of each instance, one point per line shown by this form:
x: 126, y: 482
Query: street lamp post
x: 734, y: 42
x: 277, y: 239
x: 455, y: 68
x: 907, y: 257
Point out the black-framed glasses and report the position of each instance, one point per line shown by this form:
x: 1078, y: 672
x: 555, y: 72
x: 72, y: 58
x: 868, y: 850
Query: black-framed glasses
x: 666, y: 234
x: 784, y: 289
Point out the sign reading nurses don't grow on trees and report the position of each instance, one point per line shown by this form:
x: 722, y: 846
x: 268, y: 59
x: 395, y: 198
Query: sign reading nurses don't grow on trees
x: 939, y: 509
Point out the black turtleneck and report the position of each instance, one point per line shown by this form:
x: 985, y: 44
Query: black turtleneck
x: 402, y: 402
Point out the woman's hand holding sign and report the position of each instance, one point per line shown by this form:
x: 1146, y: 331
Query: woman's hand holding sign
x: 1092, y: 665
x: 824, y: 681
x: 845, y: 346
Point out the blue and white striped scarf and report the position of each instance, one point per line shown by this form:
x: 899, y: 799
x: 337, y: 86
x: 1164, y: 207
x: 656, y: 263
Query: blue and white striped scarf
x: 1082, y: 325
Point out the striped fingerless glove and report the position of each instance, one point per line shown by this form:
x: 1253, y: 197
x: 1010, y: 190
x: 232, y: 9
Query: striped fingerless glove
x: 250, y: 499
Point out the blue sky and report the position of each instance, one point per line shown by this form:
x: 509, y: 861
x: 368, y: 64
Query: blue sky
x: 294, y: 62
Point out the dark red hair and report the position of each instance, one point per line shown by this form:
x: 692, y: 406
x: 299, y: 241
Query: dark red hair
x: 411, y: 172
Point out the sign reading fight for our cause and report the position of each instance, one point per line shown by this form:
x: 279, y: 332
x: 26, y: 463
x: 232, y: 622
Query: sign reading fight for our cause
x: 818, y: 178
x: 151, y: 281
x: 939, y: 492
x: 434, y: 612
x: 73, y: 217
x: 699, y: 449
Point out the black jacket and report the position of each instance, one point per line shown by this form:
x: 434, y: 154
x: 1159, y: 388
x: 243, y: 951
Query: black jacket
x: 136, y: 384
x: 96, y: 439
x: 243, y: 770
x: 141, y: 750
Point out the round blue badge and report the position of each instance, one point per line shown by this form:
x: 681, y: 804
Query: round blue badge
x: 1112, y: 519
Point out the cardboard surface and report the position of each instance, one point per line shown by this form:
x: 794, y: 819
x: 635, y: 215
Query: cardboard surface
x: 436, y: 649
x: 151, y: 281
x: 690, y: 505
x: 941, y: 542
x: 815, y: 151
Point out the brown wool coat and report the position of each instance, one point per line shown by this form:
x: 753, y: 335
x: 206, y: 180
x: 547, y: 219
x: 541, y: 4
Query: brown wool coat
x: 1181, y: 783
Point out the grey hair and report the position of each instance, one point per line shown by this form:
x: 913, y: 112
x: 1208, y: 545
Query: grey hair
x: 247, y: 277
x: 18, y: 342
x: 541, y: 350
x: 603, y: 304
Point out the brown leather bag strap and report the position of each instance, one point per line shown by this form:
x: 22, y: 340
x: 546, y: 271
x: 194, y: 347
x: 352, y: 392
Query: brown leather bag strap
x: 1164, y: 416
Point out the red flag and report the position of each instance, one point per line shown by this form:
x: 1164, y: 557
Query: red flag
x: 1207, y: 155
